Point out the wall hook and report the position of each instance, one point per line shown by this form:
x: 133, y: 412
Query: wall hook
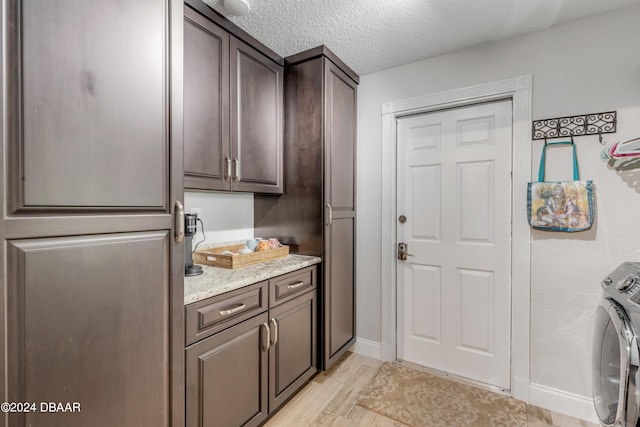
x: 580, y: 125
x: 600, y: 139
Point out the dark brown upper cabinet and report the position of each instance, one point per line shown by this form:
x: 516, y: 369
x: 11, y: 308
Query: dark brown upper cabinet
x: 206, y: 104
x: 233, y: 96
x: 88, y: 94
x: 256, y: 120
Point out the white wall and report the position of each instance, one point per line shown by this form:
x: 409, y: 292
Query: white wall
x: 586, y: 66
x: 226, y: 216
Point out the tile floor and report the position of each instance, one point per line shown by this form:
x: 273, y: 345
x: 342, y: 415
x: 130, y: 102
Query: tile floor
x: 329, y: 401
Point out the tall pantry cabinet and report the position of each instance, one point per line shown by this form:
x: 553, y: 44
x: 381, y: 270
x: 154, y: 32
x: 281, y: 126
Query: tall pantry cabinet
x: 316, y: 214
x: 91, y: 273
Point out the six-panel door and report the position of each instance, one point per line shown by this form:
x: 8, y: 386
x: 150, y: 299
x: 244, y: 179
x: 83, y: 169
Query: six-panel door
x: 454, y: 291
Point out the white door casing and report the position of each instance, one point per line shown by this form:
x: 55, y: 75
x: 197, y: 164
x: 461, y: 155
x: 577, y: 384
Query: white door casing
x: 454, y: 291
x: 519, y: 90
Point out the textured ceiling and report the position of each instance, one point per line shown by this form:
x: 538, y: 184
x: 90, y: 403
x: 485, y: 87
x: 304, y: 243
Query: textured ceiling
x: 373, y: 35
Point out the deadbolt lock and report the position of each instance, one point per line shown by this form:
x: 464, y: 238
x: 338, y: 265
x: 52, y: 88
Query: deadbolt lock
x: 403, y: 251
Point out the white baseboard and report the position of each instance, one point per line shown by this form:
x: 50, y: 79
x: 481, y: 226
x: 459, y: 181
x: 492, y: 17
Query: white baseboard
x: 368, y: 348
x: 520, y: 389
x: 387, y: 352
x: 563, y: 402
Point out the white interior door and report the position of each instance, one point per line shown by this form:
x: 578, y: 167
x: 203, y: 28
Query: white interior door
x: 454, y: 290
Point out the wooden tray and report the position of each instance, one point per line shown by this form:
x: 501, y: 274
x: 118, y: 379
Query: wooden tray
x: 214, y: 257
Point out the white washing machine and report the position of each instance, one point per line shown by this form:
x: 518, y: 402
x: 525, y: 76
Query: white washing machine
x: 616, y: 356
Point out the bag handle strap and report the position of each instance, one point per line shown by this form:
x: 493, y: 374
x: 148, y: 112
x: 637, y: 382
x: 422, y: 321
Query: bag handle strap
x: 576, y: 172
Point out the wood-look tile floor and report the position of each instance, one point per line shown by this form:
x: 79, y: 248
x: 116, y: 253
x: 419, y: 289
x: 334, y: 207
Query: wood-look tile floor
x: 329, y: 400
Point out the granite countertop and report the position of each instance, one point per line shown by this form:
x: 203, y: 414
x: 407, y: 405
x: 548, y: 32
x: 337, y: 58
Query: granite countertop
x: 215, y: 280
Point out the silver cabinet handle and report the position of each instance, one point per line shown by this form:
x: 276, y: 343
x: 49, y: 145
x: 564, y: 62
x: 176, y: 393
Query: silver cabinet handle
x: 330, y: 218
x: 227, y: 171
x: 179, y: 222
x: 295, y: 285
x: 265, y: 339
x: 236, y: 163
x: 232, y: 310
x: 274, y: 328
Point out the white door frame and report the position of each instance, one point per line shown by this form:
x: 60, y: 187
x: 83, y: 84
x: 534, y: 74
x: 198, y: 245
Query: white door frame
x: 519, y: 90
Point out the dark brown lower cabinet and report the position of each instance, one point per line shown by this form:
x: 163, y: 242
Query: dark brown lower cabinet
x: 292, y: 358
x: 81, y: 331
x: 243, y: 374
x: 227, y: 377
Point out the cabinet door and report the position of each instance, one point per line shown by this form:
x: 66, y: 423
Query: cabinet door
x: 93, y: 144
x: 227, y: 377
x: 206, y: 104
x: 256, y: 120
x: 88, y: 322
x: 340, y: 140
x: 88, y: 100
x: 340, y: 212
x: 292, y: 357
x: 339, y: 289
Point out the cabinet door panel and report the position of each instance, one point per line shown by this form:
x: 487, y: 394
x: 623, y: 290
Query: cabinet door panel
x: 206, y: 103
x: 256, y: 120
x: 340, y: 194
x: 227, y: 377
x: 340, y: 138
x: 88, y: 92
x: 339, y: 288
x: 89, y: 323
x: 292, y: 359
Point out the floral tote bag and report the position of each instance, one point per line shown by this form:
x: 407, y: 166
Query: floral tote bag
x: 560, y: 205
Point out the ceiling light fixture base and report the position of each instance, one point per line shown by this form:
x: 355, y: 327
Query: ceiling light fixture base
x: 237, y: 7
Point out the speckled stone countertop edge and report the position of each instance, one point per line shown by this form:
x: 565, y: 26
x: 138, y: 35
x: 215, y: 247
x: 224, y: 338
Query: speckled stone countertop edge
x: 215, y: 281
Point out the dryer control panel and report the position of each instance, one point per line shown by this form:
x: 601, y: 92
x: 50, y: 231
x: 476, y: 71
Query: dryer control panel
x: 623, y: 284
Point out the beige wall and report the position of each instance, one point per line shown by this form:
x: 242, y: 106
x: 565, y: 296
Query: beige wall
x: 587, y: 66
x: 226, y: 216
